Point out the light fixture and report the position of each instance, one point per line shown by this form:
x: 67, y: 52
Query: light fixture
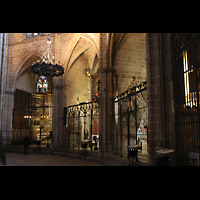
x: 86, y: 72
x: 47, y: 65
x: 186, y: 78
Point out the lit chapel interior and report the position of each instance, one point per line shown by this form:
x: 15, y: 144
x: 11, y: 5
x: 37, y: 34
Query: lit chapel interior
x: 37, y: 99
x: 105, y: 93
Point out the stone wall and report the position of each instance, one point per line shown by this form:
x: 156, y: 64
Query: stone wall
x: 124, y: 59
x: 21, y: 52
x: 130, y: 60
x: 78, y: 87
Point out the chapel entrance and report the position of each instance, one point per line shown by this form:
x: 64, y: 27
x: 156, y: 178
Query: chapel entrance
x: 32, y: 110
x: 82, y: 121
x: 131, y: 121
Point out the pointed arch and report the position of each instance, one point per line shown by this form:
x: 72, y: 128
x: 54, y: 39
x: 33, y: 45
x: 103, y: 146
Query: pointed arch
x: 74, y: 43
x: 114, y: 42
x: 23, y: 65
x: 78, y: 53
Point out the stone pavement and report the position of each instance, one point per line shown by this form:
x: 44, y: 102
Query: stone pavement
x: 19, y: 159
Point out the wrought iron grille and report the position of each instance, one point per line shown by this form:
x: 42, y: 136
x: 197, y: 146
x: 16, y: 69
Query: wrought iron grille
x: 82, y: 124
x: 32, y: 119
x: 186, y: 81
x: 131, y: 119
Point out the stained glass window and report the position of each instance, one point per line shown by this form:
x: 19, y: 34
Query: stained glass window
x: 45, y: 85
x: 28, y: 35
x: 42, y: 85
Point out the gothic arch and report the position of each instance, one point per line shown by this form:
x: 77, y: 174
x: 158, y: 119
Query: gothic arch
x: 78, y: 53
x: 114, y: 42
x: 75, y: 42
x: 29, y: 57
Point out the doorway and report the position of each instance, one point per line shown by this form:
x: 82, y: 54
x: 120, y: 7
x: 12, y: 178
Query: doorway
x: 131, y: 120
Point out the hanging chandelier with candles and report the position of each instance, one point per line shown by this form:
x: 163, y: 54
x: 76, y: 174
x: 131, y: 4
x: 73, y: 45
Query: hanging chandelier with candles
x: 47, y: 65
x: 86, y: 72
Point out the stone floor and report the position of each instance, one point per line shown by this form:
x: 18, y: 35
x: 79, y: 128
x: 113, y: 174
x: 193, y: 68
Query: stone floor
x: 18, y: 159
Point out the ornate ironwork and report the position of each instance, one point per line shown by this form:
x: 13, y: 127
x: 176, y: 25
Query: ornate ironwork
x: 81, y: 121
x: 130, y: 108
x: 47, y: 65
x: 132, y: 91
x: 186, y: 70
x: 50, y: 69
x: 83, y: 109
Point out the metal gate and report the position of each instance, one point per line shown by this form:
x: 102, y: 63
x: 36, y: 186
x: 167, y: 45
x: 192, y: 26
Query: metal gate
x: 82, y: 124
x: 33, y: 119
x: 186, y: 81
x: 131, y: 119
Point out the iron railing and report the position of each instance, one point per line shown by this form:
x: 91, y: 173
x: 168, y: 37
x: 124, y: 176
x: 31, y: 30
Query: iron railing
x: 131, y: 119
x: 186, y: 82
x: 82, y: 124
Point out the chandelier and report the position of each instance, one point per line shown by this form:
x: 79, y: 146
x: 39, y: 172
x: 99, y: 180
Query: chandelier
x: 86, y: 72
x: 47, y: 65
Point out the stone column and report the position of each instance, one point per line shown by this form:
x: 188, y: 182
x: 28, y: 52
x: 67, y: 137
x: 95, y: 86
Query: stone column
x: 154, y: 94
x: 6, y: 97
x: 57, y: 113
x: 102, y: 93
x: 7, y: 113
x: 1, y: 80
x: 106, y: 74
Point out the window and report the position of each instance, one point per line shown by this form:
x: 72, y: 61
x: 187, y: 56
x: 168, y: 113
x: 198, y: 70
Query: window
x: 186, y: 87
x: 42, y: 85
x: 186, y: 78
x: 29, y: 35
x: 186, y: 69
